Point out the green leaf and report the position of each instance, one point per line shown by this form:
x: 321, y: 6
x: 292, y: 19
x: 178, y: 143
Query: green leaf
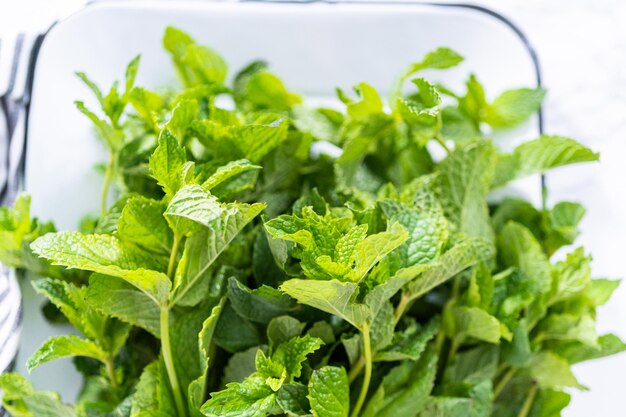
x: 381, y: 329
x: 70, y: 299
x: 513, y: 107
x: 571, y: 276
x: 550, y: 403
x: 142, y: 223
x: 440, y: 58
x: 374, y: 248
x: 112, y: 138
x: 576, y: 352
x: 477, y: 403
x: 369, y: 104
x: 92, y: 86
x: 334, y: 297
x: 466, y: 176
x: 105, y: 254
x: 329, y: 393
x: 167, y: 162
x: 182, y: 115
x: 21, y: 400
x: 152, y: 396
x: 292, y: 353
x: 282, y: 329
x: 206, y: 64
x: 474, y: 102
x: 570, y: 327
x: 519, y: 248
x: 539, y: 155
x: 217, y: 232
x: 256, y: 140
x: 197, y: 388
x: 262, y: 90
x: 118, y: 298
x: 251, y: 398
x: 235, y: 334
x: 600, y: 291
x: 428, y: 232
x: 195, y: 64
x: 474, y: 366
x: 552, y: 371
x: 460, y: 257
x: 148, y: 106
x: 232, y: 178
x: 193, y: 208
x: 410, y: 343
x: 259, y: 305
x: 292, y: 398
x: 562, y: 225
x: 64, y: 346
x: 473, y: 323
x: 405, y: 390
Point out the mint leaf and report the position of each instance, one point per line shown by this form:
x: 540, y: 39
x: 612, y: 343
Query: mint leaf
x: 232, y: 178
x: 63, y: 346
x: 466, y: 175
x: 513, y: 107
x: 552, y: 371
x: 540, y: 155
x: 20, y: 399
x: 334, y: 297
x: 167, y: 163
x: 458, y: 258
x: 472, y: 323
x: 405, y: 389
x: 141, y: 222
x: 292, y: 353
x: 219, y: 224
x: 118, y: 298
x: 329, y: 392
x: 260, y: 305
x: 105, y: 254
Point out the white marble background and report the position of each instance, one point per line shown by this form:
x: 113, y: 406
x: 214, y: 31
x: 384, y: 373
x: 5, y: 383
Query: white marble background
x: 582, y: 49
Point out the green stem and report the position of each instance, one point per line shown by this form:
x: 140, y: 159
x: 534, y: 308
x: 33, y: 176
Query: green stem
x: 442, y: 142
x: 108, y: 174
x: 403, y: 305
x: 503, y: 382
x: 529, y: 401
x: 173, y: 255
x: 111, y: 371
x: 169, y: 361
x: 438, y: 136
x: 367, y: 357
x: 452, y: 351
x: 355, y: 371
x: 456, y: 288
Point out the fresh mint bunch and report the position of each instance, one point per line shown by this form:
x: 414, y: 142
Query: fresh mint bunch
x: 239, y: 273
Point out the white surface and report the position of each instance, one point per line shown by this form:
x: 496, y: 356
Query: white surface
x: 582, y: 52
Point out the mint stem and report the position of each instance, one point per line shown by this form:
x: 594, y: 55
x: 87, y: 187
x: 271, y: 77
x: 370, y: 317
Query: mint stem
x: 529, y: 401
x: 107, y: 182
x: 503, y: 382
x: 173, y: 255
x: 111, y: 371
x: 367, y: 357
x: 166, y: 348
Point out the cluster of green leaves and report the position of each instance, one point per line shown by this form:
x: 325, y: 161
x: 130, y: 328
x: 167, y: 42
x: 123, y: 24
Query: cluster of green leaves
x: 379, y: 282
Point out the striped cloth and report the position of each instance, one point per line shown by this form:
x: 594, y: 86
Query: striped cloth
x: 10, y: 320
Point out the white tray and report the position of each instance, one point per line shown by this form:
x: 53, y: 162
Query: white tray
x: 313, y: 47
